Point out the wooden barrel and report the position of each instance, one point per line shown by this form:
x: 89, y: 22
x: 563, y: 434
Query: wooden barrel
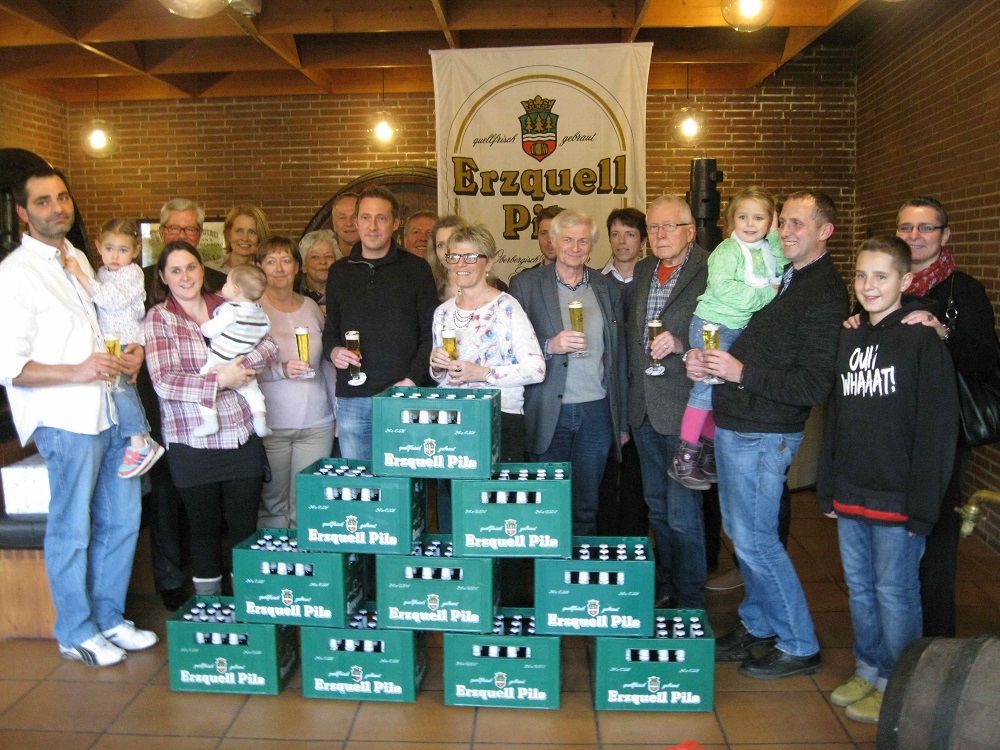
x: 943, y: 694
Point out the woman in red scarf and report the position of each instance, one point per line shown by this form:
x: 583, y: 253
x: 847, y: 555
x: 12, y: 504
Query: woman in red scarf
x: 969, y: 333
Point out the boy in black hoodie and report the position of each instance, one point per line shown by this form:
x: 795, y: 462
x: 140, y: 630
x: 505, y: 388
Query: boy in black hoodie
x: 887, y: 455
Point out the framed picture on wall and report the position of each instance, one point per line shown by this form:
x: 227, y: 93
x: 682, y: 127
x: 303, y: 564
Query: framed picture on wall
x: 212, y: 244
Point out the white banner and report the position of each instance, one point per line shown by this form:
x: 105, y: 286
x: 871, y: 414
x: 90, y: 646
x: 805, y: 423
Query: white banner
x: 523, y: 128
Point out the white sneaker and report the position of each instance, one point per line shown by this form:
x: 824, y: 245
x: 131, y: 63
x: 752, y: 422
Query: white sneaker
x: 96, y: 651
x: 129, y: 637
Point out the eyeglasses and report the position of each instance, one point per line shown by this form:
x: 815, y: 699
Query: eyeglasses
x: 176, y: 229
x: 470, y: 258
x: 655, y: 228
x: 922, y: 228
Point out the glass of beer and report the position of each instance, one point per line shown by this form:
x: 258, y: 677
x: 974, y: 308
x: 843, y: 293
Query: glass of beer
x: 710, y: 335
x: 449, y: 343
x: 352, y: 340
x: 113, y: 346
x: 576, y: 323
x: 655, y: 327
x: 302, y: 346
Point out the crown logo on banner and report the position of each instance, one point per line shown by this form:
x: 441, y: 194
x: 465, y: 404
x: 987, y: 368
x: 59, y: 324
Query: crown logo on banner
x: 538, y: 127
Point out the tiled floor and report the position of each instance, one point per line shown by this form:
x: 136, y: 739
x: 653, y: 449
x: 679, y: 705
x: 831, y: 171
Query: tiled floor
x: 49, y: 704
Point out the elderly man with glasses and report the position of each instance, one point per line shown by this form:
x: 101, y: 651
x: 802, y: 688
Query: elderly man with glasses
x: 577, y: 413
x: 667, y: 286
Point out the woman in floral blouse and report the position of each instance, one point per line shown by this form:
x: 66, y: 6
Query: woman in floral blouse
x: 497, y: 347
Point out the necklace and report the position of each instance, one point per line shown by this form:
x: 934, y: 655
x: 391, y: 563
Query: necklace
x: 463, y: 317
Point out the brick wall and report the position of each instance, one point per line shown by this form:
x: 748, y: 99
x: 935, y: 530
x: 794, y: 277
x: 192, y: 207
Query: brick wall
x: 928, y: 99
x: 288, y: 155
x: 33, y: 123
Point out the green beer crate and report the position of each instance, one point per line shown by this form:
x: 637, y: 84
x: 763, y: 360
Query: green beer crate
x: 343, y: 508
x: 674, y: 671
x: 447, y: 433
x: 588, y: 595
x: 293, y: 586
x: 506, y: 669
x: 528, y: 515
x: 436, y: 591
x: 363, y: 664
x: 209, y: 656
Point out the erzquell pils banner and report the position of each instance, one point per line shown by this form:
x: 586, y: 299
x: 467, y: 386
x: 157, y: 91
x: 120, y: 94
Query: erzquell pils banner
x: 523, y: 128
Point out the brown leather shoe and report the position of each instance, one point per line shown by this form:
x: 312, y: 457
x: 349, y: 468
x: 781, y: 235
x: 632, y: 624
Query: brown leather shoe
x: 728, y: 581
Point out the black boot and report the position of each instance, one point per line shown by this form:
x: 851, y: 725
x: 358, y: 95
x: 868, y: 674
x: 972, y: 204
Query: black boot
x: 684, y: 467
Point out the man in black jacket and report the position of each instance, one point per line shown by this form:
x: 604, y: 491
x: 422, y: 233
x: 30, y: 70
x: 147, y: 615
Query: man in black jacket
x: 780, y: 366
x: 388, y: 296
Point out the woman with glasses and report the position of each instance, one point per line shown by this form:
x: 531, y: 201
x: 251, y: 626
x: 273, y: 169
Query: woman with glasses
x: 969, y: 332
x: 440, y: 233
x: 243, y: 231
x: 496, y: 346
x: 299, y: 392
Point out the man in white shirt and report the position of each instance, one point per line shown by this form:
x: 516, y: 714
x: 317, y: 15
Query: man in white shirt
x: 57, y: 374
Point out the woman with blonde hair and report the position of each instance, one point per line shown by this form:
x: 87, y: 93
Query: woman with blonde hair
x: 243, y: 231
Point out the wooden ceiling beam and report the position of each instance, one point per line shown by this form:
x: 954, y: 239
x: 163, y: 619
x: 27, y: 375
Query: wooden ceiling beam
x: 641, y: 9
x: 17, y: 31
x: 442, y: 15
x: 44, y: 15
x: 369, y: 50
x: 55, y: 61
x: 701, y: 13
x: 209, y: 56
x: 126, y: 20
x: 286, y: 47
x: 543, y: 14
x: 347, y: 17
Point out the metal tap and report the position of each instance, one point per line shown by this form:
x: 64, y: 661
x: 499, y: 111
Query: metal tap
x: 971, y: 513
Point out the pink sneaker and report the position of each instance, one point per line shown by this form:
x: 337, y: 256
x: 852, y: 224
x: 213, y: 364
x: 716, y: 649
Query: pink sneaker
x: 138, y: 462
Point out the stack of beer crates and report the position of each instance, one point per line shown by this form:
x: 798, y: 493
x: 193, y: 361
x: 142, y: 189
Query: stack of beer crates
x: 356, y: 516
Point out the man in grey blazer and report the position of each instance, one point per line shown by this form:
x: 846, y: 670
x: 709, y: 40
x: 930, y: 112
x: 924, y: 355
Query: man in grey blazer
x: 577, y: 413
x: 667, y: 286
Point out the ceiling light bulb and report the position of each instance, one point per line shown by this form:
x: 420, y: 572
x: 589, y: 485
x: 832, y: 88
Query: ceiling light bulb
x: 99, y: 138
x: 748, y: 15
x: 383, y: 131
x: 195, y: 8
x: 688, y: 128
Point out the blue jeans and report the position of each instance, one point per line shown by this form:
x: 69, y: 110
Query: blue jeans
x: 354, y: 427
x: 752, y: 470
x: 131, y: 416
x: 582, y: 437
x: 701, y: 392
x: 881, y: 567
x: 675, y: 515
x: 92, y: 529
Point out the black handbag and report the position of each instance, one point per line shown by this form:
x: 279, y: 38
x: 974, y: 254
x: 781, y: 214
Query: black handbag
x: 978, y: 393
